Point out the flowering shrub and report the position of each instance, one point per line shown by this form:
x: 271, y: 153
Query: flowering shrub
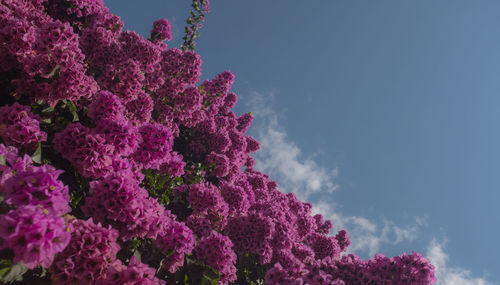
x: 117, y: 166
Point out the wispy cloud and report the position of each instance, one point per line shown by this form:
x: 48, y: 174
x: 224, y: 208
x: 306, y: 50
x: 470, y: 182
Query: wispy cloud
x: 286, y: 164
x: 365, y: 234
x: 294, y: 172
x: 282, y: 158
x: 175, y: 27
x: 449, y: 275
x: 368, y: 235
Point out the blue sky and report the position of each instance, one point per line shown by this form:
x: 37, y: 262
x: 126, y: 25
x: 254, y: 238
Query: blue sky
x: 385, y: 114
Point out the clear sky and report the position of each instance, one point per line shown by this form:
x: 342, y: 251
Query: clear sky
x: 384, y: 114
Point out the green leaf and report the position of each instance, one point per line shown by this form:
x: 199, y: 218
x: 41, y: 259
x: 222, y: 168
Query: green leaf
x: 5, y: 265
x: 49, y: 109
x: 211, y: 274
x: 135, y: 244
x: 4, y: 272
x: 54, y: 71
x: 2, y: 160
x: 13, y: 273
x: 73, y: 110
x: 137, y: 254
x: 37, y: 155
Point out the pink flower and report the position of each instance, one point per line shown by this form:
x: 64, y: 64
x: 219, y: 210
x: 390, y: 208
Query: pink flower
x: 161, y: 30
x: 20, y: 128
x: 216, y: 251
x: 38, y: 186
x: 88, y: 257
x: 34, y: 235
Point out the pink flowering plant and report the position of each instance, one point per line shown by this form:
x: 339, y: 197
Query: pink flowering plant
x: 118, y: 166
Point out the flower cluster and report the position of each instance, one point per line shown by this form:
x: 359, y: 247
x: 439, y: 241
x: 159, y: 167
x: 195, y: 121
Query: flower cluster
x: 156, y: 146
x: 89, y: 255
x: 38, y: 186
x: 90, y: 258
x: 13, y: 163
x: 46, y: 51
x: 404, y: 269
x: 20, y: 128
x: 251, y: 233
x: 121, y: 134
x: 87, y: 151
x: 216, y: 251
x: 34, y: 235
x: 34, y: 230
x: 117, y: 200
x: 136, y: 273
x: 153, y: 163
x: 106, y: 105
x: 161, y: 30
x: 176, y: 240
x: 237, y: 197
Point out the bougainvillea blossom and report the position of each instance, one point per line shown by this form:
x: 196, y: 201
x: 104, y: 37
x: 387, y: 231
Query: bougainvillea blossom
x: 118, y: 165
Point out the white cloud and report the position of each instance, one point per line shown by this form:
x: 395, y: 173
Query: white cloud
x: 408, y: 232
x: 283, y: 160
x: 449, y: 275
x: 175, y: 28
x: 363, y: 232
x: 366, y: 236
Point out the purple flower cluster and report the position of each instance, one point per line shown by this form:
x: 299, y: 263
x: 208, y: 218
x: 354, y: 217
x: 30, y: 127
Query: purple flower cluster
x: 404, y: 269
x: 219, y: 162
x: 322, y: 227
x: 343, y: 240
x: 136, y: 273
x: 35, y: 230
x: 323, y: 246
x: 20, y: 128
x: 87, y: 151
x: 139, y: 110
x: 161, y: 31
x: 38, y: 186
x: 142, y: 113
x: 156, y: 146
x: 46, y: 51
x: 176, y: 241
x: 117, y: 200
x: 101, y: 150
x: 89, y: 255
x: 216, y: 251
x: 13, y: 163
x: 90, y: 258
x: 237, y: 197
x: 174, y: 165
x: 34, y: 235
x: 252, y: 233
x: 215, y: 137
x: 125, y: 79
x: 119, y: 133
x: 206, y: 201
x: 200, y: 225
x: 106, y: 105
x: 206, y: 6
